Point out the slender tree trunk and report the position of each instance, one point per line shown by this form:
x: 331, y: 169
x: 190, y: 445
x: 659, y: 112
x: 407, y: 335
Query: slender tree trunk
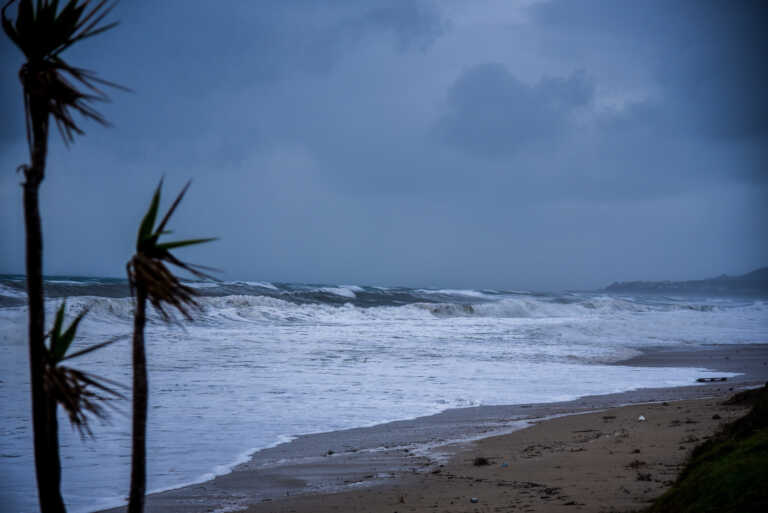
x: 44, y: 421
x: 140, y: 399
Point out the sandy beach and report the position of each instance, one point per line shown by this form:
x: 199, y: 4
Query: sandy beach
x: 592, y: 454
x: 597, y: 462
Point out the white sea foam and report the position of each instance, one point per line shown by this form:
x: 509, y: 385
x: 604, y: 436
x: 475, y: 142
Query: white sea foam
x: 12, y: 292
x: 251, y: 370
x: 455, y: 292
x: 201, y: 284
x: 342, y: 291
x: 262, y: 284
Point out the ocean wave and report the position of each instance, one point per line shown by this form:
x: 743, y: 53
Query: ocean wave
x: 201, y: 284
x: 441, y: 303
x: 341, y: 291
x: 263, y: 302
x: 455, y: 292
x: 261, y: 284
x: 12, y: 292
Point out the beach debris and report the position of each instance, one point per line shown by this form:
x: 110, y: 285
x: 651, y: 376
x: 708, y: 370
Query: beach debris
x: 474, y: 500
x: 620, y: 434
x: 711, y: 380
x: 504, y: 465
x: 716, y: 417
x: 641, y: 418
x: 481, y: 461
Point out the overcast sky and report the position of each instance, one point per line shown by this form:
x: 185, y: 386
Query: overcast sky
x: 504, y: 144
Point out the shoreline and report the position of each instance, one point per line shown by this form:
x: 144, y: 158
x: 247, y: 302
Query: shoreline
x: 359, y: 460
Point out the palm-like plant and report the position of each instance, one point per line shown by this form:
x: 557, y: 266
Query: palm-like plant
x: 51, y: 87
x: 150, y: 279
x: 42, y: 32
x: 80, y: 393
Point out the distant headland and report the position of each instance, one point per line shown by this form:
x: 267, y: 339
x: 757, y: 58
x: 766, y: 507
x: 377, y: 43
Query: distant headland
x: 752, y: 283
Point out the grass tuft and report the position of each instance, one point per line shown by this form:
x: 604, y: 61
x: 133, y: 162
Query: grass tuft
x: 728, y: 473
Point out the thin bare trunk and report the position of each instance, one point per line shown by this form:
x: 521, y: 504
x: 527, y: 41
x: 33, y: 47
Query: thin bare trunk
x: 44, y: 421
x: 140, y: 399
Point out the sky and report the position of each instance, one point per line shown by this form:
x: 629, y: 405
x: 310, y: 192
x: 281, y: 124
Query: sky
x: 514, y: 144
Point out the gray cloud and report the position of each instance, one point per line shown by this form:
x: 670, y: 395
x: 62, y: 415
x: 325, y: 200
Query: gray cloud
x: 416, y: 143
x: 707, y: 56
x: 490, y: 112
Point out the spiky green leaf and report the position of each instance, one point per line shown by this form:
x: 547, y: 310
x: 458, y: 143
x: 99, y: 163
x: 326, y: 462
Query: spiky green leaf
x: 42, y: 33
x: 10, y: 31
x: 63, y: 343
x: 59, y: 322
x: 25, y: 18
x: 147, y: 269
x: 92, y: 348
x: 181, y: 243
x: 55, y: 333
x: 148, y: 223
x: 175, y: 204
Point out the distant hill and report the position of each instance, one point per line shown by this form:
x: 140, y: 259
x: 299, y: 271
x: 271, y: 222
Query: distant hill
x: 752, y: 283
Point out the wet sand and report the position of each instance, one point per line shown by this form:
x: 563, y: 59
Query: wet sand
x: 600, y: 461
x: 606, y: 461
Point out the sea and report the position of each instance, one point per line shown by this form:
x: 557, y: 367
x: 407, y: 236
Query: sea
x: 262, y: 363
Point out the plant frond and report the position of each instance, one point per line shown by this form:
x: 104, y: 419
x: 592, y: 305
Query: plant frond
x: 72, y: 389
x: 59, y: 321
x: 182, y: 243
x: 190, y: 268
x: 68, y: 337
x: 62, y: 99
x: 148, y: 222
x: 168, y: 214
x: 60, y: 342
x: 147, y: 268
x: 80, y: 394
x: 162, y: 286
x: 42, y: 32
x: 93, y: 348
x: 91, y: 30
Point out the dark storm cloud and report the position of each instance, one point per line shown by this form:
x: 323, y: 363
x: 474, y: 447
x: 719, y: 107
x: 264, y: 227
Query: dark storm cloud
x: 246, y: 42
x: 223, y: 71
x: 479, y: 144
x: 708, y: 56
x: 490, y: 112
x: 702, y: 118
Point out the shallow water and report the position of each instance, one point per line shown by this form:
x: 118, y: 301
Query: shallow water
x: 263, y: 362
